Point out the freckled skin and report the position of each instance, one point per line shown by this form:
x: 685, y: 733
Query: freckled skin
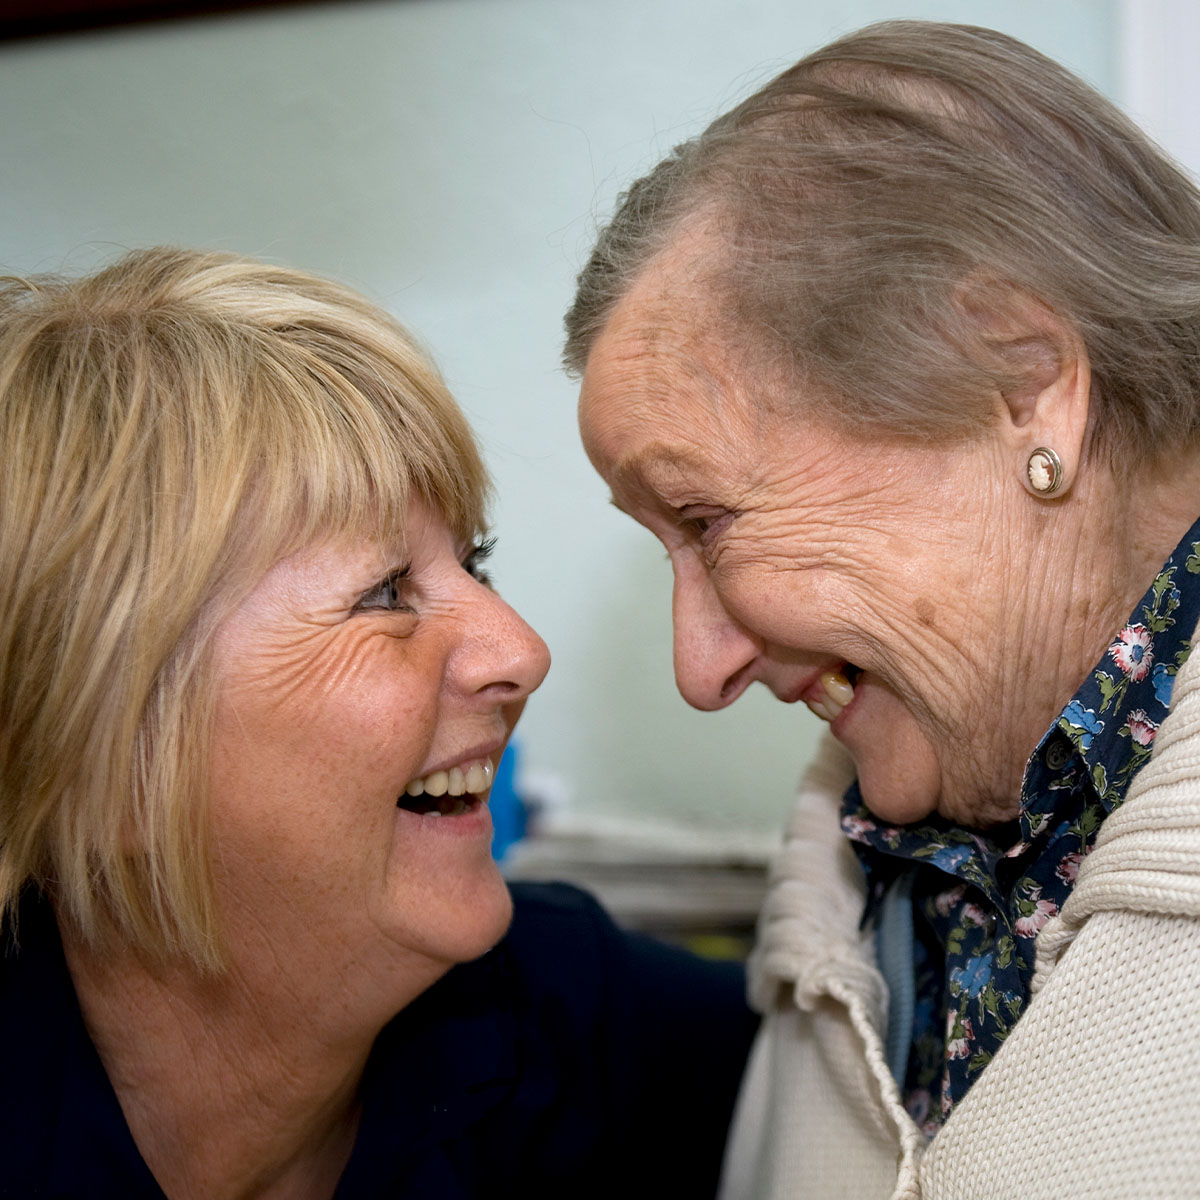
x: 325, y: 714
x: 797, y: 546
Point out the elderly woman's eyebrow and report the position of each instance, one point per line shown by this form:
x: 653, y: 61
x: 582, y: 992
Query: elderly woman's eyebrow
x: 649, y: 464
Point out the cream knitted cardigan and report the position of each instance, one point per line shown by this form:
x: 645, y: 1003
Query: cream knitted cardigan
x: 1095, y: 1093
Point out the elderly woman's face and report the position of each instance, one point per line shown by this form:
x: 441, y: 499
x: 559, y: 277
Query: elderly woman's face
x: 355, y: 674
x: 864, y: 578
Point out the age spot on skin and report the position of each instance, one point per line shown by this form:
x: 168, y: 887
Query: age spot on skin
x: 926, y: 612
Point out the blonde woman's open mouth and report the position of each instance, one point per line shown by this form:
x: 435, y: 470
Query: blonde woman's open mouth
x: 450, y: 793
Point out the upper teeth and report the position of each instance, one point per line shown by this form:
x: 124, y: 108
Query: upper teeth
x: 474, y: 778
x: 838, y: 692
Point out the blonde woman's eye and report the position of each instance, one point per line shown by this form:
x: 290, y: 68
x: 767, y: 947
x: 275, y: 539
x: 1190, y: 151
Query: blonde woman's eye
x: 476, y: 557
x: 390, y: 594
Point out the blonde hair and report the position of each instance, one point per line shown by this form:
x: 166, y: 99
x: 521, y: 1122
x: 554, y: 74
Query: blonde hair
x: 860, y: 195
x: 171, y: 426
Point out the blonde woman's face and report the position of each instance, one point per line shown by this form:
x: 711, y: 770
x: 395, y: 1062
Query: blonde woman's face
x: 352, y: 676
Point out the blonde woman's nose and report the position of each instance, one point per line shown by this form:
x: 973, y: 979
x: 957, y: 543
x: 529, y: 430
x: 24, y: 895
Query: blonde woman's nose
x: 504, y: 658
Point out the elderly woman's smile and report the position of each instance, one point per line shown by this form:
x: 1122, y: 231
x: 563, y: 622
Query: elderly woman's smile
x: 829, y: 567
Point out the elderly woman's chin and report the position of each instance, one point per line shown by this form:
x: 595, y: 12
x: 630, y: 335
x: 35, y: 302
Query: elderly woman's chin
x: 906, y: 774
x: 899, y: 772
x: 900, y: 791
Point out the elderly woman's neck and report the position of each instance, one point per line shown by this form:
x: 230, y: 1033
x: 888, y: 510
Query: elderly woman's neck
x: 239, y: 1085
x: 1080, y: 563
x: 1121, y: 528
x: 1143, y: 515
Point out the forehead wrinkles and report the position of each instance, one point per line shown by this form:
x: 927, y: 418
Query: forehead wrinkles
x: 660, y: 337
x: 675, y: 380
x: 676, y: 437
x: 660, y: 363
x: 665, y: 400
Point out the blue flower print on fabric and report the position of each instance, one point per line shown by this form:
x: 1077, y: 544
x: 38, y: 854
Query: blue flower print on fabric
x: 1164, y: 683
x: 1084, y: 720
x: 950, y: 858
x: 973, y: 976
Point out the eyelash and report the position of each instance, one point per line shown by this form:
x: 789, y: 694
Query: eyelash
x: 388, y: 592
x: 478, y: 555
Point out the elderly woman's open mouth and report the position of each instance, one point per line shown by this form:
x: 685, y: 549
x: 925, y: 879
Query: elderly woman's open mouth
x: 833, y: 691
x: 452, y: 793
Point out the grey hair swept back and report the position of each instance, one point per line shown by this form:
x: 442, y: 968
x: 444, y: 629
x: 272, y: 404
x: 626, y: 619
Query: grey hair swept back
x: 871, y: 200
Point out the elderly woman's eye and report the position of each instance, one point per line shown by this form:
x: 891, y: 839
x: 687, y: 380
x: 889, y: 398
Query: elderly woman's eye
x: 390, y: 594
x: 705, y: 523
x: 476, y: 557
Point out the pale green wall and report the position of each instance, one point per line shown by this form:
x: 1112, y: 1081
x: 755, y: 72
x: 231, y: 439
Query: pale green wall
x: 450, y: 157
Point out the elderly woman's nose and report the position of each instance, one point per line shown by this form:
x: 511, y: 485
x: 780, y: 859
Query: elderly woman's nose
x: 714, y: 655
x: 503, y: 659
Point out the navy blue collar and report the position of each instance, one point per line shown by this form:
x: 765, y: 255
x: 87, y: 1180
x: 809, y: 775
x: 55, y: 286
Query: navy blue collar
x: 65, y: 1134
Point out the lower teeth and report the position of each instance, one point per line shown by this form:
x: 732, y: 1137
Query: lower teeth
x: 442, y: 806
x: 451, y: 806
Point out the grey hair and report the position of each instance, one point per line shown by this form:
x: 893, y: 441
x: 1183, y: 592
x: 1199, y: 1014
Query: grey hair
x: 877, y: 198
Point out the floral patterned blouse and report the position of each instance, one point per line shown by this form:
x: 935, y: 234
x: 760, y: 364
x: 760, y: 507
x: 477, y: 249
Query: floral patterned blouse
x: 979, y: 898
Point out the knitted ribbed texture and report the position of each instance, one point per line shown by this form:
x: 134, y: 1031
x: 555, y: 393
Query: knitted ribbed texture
x: 1147, y: 853
x: 815, y: 872
x: 1093, y: 1094
x: 840, y: 1133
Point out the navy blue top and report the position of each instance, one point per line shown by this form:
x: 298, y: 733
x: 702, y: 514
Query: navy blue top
x: 573, y: 1060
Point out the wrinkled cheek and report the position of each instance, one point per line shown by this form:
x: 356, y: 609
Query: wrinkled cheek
x: 781, y: 613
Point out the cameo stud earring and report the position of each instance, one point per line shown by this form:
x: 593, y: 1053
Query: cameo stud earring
x: 1045, y: 471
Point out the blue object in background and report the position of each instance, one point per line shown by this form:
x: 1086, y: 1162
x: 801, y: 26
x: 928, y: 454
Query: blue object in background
x: 508, y: 812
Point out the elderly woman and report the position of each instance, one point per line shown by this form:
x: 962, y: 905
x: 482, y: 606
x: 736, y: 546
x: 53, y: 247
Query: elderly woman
x: 253, y: 689
x: 900, y: 361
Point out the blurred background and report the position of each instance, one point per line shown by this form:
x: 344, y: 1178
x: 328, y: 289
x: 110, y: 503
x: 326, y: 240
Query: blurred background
x: 452, y: 159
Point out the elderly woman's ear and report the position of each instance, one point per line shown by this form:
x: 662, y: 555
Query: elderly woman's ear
x: 1044, y: 383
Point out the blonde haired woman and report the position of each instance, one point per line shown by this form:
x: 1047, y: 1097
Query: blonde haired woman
x: 253, y: 687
